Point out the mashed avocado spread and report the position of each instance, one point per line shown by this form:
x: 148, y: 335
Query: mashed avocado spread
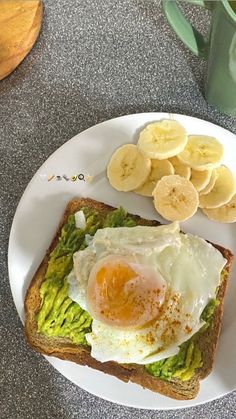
x: 60, y: 316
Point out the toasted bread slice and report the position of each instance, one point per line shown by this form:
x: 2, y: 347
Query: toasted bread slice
x: 63, y: 348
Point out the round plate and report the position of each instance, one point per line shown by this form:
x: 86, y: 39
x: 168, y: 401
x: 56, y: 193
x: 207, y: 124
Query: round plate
x: 39, y: 213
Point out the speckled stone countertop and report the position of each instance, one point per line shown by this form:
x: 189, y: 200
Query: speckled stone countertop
x: 94, y: 60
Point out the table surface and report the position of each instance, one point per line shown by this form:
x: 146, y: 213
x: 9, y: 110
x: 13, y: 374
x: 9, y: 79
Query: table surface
x: 94, y: 60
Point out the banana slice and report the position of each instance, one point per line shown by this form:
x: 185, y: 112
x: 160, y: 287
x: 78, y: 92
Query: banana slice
x: 202, y: 152
x: 180, y: 168
x: 162, y: 139
x: 224, y: 214
x: 200, y: 179
x: 175, y: 198
x: 159, y: 168
x: 223, y: 190
x: 210, y: 184
x: 128, y: 168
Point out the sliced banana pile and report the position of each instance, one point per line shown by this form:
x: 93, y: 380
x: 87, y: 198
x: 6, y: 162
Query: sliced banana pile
x: 180, y: 172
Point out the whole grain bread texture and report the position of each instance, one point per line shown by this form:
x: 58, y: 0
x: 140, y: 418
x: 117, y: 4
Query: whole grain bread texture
x: 64, y: 349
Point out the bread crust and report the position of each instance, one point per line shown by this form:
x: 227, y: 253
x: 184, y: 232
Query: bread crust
x: 64, y: 349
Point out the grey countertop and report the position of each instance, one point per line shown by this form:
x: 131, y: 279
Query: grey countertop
x: 94, y: 60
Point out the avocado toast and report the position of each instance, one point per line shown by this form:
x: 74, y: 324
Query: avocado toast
x: 55, y: 325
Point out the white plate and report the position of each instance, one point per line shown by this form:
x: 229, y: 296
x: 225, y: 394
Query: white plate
x: 42, y: 206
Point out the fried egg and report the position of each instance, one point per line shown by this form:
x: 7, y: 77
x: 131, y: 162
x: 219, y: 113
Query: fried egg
x: 145, y: 288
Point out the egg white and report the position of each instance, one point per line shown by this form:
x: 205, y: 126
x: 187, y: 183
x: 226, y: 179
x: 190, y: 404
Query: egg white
x: 191, y: 268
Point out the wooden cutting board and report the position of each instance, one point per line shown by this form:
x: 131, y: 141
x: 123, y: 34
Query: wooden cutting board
x: 20, y: 23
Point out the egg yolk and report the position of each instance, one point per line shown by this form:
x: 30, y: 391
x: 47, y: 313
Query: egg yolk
x: 121, y: 294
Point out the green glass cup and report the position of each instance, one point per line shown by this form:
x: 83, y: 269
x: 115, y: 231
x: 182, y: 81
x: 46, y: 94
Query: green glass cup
x: 219, y: 48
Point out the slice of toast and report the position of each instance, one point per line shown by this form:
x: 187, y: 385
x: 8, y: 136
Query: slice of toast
x: 64, y: 348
